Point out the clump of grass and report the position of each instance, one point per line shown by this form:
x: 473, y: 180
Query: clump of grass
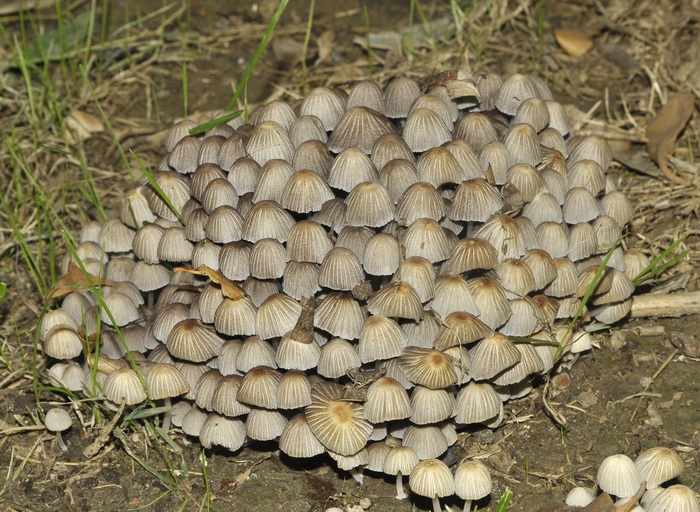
x: 658, y: 266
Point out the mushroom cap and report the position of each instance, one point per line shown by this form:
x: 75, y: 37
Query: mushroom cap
x: 124, y: 387
x: 164, y: 381
x: 339, y: 425
x: 430, y: 478
x: 658, y: 465
x: 472, y: 480
x: 297, y: 440
x: 676, y: 498
x: 58, y: 420
x: 401, y: 459
x: 617, y: 475
x: 580, y: 496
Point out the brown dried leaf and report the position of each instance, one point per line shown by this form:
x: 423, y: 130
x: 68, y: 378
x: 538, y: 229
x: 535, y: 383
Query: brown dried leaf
x: 303, y: 331
x: 79, y: 126
x: 663, y: 130
x: 326, y: 45
x: 228, y: 287
x: 573, y: 42
x: 75, y: 278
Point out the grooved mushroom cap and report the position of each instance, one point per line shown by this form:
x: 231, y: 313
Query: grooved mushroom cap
x: 222, y: 431
x: 580, y: 496
x: 387, y: 400
x: 401, y: 459
x: 430, y: 478
x: 297, y: 440
x: 339, y: 425
x: 677, y: 498
x: 658, y: 465
x: 617, y: 475
x: 427, y: 367
x: 164, y: 381
x: 124, y: 387
x: 472, y: 480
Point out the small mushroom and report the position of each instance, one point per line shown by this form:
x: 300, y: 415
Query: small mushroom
x: 58, y: 420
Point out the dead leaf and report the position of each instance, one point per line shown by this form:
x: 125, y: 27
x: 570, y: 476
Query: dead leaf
x: 75, y: 278
x: 325, y: 45
x: 79, y: 126
x: 602, y: 503
x: 573, y: 42
x: 663, y: 130
x: 228, y: 287
x: 303, y: 331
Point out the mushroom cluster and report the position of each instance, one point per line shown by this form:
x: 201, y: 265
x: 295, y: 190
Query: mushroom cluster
x: 359, y: 264
x: 645, y: 480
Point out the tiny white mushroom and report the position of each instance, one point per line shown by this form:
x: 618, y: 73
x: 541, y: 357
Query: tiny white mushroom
x: 58, y: 420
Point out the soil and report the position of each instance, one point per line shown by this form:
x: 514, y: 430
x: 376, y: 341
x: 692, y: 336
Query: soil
x: 632, y: 393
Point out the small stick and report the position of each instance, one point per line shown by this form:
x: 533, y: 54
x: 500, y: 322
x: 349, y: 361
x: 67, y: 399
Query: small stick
x: 665, y: 305
x: 651, y: 381
x: 101, y: 440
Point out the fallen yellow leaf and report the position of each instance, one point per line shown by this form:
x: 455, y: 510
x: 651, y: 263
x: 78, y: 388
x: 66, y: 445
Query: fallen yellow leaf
x: 573, y: 42
x: 75, y: 278
x: 228, y: 287
x: 79, y: 126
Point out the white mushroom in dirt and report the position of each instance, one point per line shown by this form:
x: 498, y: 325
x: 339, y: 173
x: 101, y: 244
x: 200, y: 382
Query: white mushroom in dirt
x: 400, y: 462
x: 617, y: 475
x: 58, y: 420
x: 432, y: 478
x: 580, y: 496
x: 472, y: 482
x: 677, y: 498
x: 658, y: 465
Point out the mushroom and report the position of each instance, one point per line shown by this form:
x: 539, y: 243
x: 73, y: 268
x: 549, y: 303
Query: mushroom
x: 658, y: 465
x: 432, y: 478
x: 677, y: 498
x: 618, y: 476
x: 427, y: 251
x: 400, y: 461
x: 58, y: 420
x: 472, y: 482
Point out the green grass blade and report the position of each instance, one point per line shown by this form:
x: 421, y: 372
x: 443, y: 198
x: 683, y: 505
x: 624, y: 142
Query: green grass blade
x: 249, y: 72
x: 106, y: 121
x: 168, y: 481
x: 586, y: 297
x: 655, y: 268
x: 505, y: 501
x: 157, y: 188
x: 365, y: 15
x: 305, y: 48
x: 143, y: 412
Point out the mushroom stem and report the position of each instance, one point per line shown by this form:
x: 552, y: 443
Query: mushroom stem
x: 400, y: 493
x: 357, y: 474
x: 436, y: 504
x: 467, y: 506
x: 61, y: 444
x: 166, y: 416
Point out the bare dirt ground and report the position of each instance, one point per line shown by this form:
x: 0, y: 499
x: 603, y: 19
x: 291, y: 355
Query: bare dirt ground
x: 634, y: 392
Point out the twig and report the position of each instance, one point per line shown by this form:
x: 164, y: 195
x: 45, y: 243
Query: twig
x: 665, y: 305
x: 18, y: 430
x: 651, y: 381
x: 97, y: 445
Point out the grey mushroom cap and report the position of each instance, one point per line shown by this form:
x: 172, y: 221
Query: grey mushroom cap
x: 58, y: 420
